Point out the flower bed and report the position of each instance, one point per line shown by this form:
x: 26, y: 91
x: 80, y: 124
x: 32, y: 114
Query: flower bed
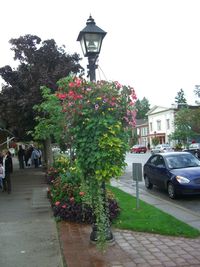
x: 69, y: 200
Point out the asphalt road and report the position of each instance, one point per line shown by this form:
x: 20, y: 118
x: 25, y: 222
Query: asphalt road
x: 189, y: 202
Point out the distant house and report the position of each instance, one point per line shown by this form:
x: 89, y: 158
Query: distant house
x: 161, y: 123
x: 142, y: 131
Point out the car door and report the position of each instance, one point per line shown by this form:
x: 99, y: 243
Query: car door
x: 160, y: 172
x: 151, y: 168
x: 157, y: 171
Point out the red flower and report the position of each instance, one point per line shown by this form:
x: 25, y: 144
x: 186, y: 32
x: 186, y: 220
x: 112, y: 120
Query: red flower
x: 77, y: 81
x: 81, y: 193
x: 61, y: 96
x: 71, y: 84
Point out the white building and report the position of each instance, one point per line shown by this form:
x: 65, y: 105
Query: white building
x: 161, y: 123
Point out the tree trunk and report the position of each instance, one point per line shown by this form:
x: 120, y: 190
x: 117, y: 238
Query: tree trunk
x: 48, y: 154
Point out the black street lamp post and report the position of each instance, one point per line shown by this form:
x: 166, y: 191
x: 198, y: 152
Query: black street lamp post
x: 91, y: 38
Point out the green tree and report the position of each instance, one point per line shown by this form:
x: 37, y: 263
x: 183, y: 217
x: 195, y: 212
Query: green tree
x: 142, y: 107
x: 155, y: 141
x: 180, y: 97
x: 187, y: 124
x: 40, y: 63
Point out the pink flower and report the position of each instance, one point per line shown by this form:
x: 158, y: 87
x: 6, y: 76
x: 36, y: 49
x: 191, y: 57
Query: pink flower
x: 64, y: 206
x: 81, y: 193
x: 57, y: 203
x: 78, y: 81
x: 71, y: 84
x: 118, y: 85
x: 61, y: 96
x: 71, y: 199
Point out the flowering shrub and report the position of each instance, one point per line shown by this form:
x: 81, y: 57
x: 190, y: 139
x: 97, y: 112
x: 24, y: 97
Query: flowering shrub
x: 62, y: 163
x: 69, y: 204
x: 98, y: 116
x: 71, y: 201
x: 51, y: 175
x: 95, y: 118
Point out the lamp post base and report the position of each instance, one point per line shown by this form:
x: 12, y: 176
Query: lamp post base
x: 94, y: 235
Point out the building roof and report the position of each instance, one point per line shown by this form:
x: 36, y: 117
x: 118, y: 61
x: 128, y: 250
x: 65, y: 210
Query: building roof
x: 141, y: 122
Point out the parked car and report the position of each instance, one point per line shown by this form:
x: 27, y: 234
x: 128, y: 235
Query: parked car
x: 177, y: 172
x: 138, y: 149
x: 194, y: 149
x: 161, y: 148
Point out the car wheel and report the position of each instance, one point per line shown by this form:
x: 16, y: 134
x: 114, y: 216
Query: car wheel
x: 171, y: 191
x: 147, y: 182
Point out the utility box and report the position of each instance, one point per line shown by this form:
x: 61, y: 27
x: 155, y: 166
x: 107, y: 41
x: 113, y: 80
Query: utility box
x: 137, y: 171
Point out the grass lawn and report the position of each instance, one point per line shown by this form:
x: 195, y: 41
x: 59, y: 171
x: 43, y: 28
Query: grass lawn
x: 147, y: 218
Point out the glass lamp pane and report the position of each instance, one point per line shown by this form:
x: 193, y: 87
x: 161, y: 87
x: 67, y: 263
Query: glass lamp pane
x: 83, y: 46
x: 93, y: 42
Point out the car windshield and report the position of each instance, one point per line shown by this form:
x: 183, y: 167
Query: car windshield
x: 182, y: 161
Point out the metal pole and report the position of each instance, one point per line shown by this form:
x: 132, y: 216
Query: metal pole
x: 137, y: 194
x: 92, y: 67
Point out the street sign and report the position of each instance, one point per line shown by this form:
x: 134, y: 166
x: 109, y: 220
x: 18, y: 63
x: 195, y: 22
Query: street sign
x: 137, y: 171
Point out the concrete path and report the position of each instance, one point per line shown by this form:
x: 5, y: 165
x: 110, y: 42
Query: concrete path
x: 28, y: 230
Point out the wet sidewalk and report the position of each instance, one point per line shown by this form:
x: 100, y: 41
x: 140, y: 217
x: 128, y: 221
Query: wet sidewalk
x: 28, y: 231
x: 130, y: 249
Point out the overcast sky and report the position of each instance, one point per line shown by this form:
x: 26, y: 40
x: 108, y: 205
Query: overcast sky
x: 152, y: 45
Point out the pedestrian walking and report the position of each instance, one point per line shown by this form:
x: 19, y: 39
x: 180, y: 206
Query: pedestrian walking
x: 2, y: 175
x: 27, y: 157
x: 8, y: 167
x: 40, y: 157
x: 35, y: 157
x: 1, y: 157
x: 21, y: 155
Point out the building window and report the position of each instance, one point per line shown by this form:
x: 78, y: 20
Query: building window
x: 144, y: 131
x: 151, y: 127
x: 167, y: 124
x: 158, y: 125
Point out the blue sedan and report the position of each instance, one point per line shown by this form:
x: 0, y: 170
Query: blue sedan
x: 177, y: 172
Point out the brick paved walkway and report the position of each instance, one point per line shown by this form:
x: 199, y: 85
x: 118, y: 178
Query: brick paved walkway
x: 131, y: 249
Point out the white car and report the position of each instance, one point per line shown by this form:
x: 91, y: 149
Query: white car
x: 194, y: 148
x: 161, y: 148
